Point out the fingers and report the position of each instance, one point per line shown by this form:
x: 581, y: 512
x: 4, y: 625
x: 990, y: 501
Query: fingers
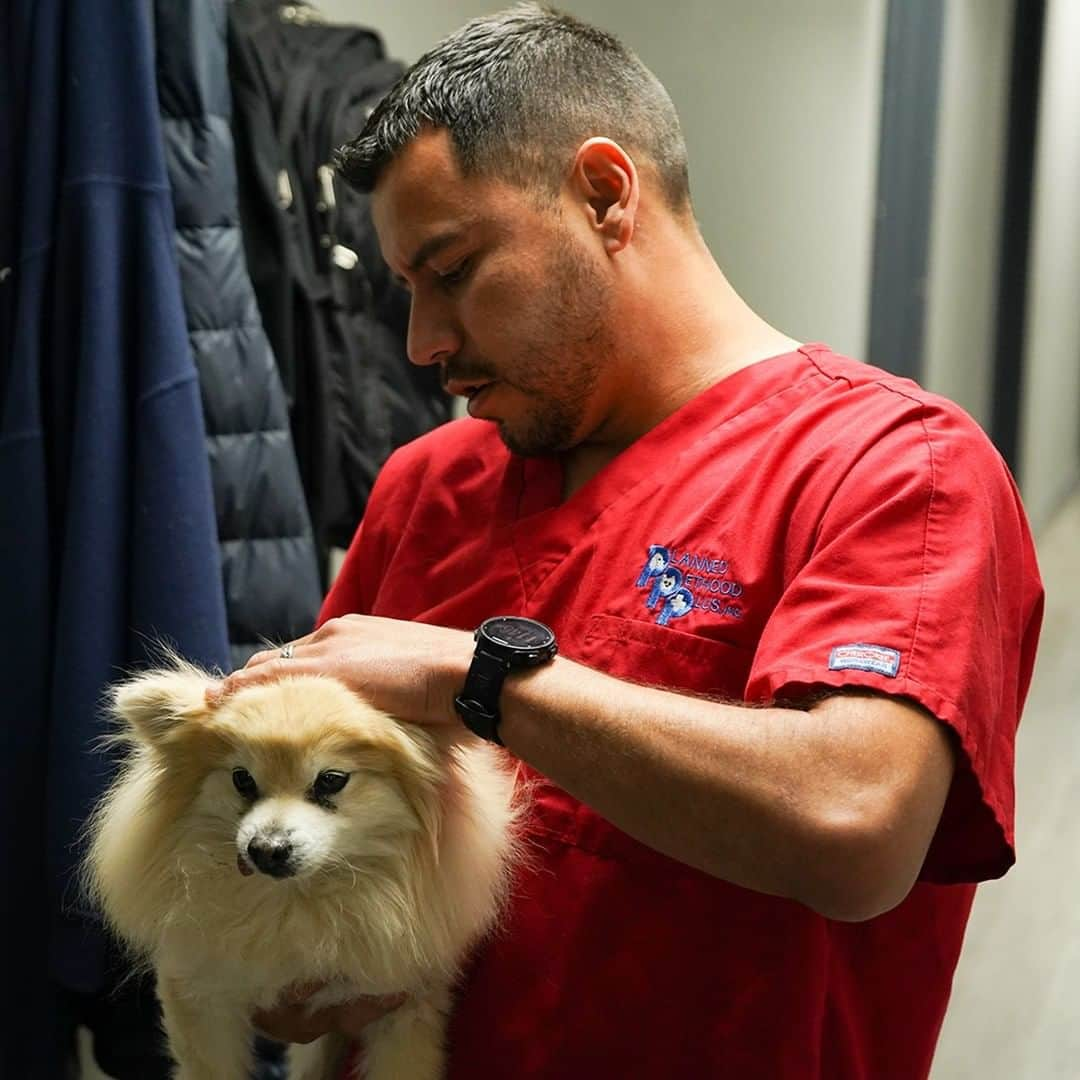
x: 298, y: 993
x: 265, y: 666
x: 351, y: 1018
x: 273, y: 663
x: 262, y: 657
x: 286, y: 650
x: 292, y: 1025
x: 291, y: 1022
x: 245, y: 677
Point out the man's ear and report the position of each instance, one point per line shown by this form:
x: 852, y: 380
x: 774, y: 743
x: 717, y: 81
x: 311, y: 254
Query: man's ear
x: 153, y: 705
x: 605, y: 177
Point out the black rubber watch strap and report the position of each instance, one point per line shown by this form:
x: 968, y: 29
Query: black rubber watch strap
x: 483, y: 683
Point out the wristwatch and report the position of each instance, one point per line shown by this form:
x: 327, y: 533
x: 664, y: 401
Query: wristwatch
x: 503, y: 644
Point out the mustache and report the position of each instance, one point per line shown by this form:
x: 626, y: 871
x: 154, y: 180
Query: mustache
x: 465, y: 372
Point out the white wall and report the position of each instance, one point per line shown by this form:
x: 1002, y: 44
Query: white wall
x: 408, y: 27
x: 779, y: 101
x: 967, y: 200
x: 1050, y: 429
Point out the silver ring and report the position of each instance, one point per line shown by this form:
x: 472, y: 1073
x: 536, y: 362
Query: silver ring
x: 287, y: 651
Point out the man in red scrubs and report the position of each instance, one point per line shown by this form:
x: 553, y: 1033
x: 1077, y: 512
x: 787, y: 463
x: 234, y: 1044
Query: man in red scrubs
x: 795, y: 599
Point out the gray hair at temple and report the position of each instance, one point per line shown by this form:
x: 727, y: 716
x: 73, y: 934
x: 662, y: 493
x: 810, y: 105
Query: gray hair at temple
x: 519, y: 91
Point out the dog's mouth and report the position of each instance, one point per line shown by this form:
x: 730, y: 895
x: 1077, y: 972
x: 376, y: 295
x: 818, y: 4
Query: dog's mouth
x: 243, y: 865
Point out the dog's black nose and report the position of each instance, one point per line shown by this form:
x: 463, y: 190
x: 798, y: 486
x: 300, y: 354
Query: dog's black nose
x: 272, y: 855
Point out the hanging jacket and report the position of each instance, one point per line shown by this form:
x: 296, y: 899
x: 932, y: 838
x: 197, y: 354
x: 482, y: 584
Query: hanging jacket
x: 107, y: 534
x: 268, y: 567
x: 335, y: 317
x: 270, y: 574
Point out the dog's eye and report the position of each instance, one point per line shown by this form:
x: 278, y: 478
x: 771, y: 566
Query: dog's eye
x: 329, y: 782
x: 244, y: 782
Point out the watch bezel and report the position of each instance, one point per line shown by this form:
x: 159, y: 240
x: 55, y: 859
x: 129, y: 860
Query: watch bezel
x: 540, y: 649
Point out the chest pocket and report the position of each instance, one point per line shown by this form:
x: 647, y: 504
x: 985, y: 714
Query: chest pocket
x: 663, y: 656
x: 644, y: 653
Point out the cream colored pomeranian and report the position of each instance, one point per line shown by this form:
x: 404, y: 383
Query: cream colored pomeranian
x: 295, y: 834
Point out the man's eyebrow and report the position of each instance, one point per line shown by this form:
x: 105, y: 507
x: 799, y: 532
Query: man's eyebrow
x: 433, y: 245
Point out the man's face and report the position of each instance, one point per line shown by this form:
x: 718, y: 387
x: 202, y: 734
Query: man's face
x: 509, y: 300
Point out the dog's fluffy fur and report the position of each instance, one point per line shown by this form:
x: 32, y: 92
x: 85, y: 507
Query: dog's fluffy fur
x: 388, y: 881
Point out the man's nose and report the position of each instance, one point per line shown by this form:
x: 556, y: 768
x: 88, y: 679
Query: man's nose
x: 434, y: 336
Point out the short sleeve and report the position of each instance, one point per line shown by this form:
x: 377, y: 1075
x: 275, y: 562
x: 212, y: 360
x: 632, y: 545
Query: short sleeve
x: 346, y: 595
x: 372, y: 547
x: 922, y: 583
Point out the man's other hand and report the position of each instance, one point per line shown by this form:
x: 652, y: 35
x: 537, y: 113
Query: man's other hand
x: 291, y: 1020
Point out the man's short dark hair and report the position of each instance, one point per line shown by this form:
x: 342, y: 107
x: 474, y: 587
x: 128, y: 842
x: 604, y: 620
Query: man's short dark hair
x: 518, y: 92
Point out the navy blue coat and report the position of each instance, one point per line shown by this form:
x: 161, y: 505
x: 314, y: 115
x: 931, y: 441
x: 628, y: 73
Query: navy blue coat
x: 107, y: 533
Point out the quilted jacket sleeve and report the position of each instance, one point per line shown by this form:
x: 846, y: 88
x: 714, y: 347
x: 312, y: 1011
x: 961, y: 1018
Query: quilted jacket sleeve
x: 269, y: 568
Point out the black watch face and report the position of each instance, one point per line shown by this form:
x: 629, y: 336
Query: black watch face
x: 518, y: 633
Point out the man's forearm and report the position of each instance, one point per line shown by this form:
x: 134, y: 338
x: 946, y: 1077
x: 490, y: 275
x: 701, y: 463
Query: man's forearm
x: 835, y: 806
x: 792, y: 803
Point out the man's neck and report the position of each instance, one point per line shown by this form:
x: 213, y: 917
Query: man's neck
x: 685, y: 330
x: 584, y: 461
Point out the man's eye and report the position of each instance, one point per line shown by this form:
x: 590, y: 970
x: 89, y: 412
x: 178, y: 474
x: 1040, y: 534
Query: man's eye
x: 329, y: 782
x: 455, y: 275
x: 244, y: 783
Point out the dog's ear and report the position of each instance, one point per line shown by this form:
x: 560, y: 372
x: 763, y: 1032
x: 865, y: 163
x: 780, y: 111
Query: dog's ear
x: 155, y: 703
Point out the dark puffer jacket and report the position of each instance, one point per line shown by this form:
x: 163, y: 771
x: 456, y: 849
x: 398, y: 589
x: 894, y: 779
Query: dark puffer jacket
x: 336, y: 318
x: 269, y: 568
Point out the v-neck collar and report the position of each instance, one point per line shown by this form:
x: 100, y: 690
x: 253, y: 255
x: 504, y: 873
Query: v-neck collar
x: 543, y: 527
x: 540, y: 479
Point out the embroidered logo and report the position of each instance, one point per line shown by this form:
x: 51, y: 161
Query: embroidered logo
x: 681, y: 582
x: 863, y: 657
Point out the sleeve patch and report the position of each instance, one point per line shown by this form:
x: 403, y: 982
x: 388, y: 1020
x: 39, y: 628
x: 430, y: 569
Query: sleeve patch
x: 863, y: 657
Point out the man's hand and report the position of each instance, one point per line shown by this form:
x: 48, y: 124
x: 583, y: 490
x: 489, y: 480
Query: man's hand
x: 410, y: 670
x: 291, y: 1022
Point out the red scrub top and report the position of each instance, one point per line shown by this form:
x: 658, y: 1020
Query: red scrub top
x: 809, y: 522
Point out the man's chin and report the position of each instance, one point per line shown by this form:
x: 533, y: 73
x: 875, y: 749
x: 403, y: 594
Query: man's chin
x: 532, y: 444
x: 516, y: 446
